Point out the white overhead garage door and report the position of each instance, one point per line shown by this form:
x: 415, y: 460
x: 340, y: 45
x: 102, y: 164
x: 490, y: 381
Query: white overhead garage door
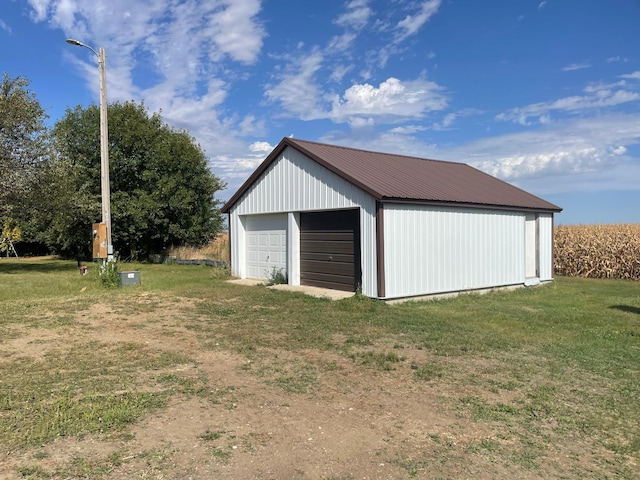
x: 266, y: 245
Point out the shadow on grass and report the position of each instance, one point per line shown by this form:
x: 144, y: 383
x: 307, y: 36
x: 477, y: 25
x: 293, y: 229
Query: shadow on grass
x: 626, y: 308
x: 42, y: 266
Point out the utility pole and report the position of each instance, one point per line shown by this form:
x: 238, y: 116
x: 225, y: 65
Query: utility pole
x: 104, y: 143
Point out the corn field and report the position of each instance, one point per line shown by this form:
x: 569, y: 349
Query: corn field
x: 597, y: 251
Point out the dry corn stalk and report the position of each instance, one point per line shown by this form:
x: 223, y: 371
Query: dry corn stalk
x: 217, y: 249
x: 598, y: 251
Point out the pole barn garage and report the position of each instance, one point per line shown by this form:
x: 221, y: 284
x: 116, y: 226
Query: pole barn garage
x: 389, y: 225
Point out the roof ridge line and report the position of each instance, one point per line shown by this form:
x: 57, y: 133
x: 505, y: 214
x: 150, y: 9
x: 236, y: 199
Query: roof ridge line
x: 374, y: 151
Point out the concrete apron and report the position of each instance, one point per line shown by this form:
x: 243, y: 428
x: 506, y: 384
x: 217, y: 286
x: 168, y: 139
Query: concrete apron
x: 312, y: 291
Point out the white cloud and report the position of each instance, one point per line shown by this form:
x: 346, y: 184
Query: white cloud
x: 238, y: 167
x: 599, y: 87
x: 541, y: 5
x: 412, y: 23
x: 392, y: 99
x: 580, y: 146
x: 617, y: 59
x: 40, y: 8
x: 5, y: 27
x: 353, y: 21
x: 339, y: 72
x: 635, y: 75
x: 619, y: 150
x: 448, y: 119
x: 576, y: 66
x: 252, y: 126
x: 235, y: 30
x: 407, y: 129
x: 296, y: 90
x: 341, y: 43
x: 356, y: 16
x: 172, y: 39
x: 598, y: 98
x: 263, y: 148
x: 451, y: 117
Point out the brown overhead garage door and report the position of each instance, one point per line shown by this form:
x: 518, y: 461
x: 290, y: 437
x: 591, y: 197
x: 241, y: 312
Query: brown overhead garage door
x: 330, y: 249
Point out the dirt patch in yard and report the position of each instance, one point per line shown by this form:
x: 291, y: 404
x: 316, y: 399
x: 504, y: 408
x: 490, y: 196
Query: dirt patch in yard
x: 272, y: 414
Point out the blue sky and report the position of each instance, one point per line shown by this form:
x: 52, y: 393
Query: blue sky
x: 543, y: 94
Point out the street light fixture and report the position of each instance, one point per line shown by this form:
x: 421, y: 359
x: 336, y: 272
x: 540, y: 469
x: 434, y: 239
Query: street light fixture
x: 104, y: 142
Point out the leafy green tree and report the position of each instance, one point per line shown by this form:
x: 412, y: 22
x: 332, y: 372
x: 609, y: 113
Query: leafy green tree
x: 64, y: 204
x: 162, y: 191
x: 23, y: 144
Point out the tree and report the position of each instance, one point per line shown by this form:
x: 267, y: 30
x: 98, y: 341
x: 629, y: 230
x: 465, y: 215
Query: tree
x: 23, y: 144
x: 162, y: 191
x: 9, y: 236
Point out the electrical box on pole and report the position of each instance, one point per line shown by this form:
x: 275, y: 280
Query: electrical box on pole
x: 100, y: 240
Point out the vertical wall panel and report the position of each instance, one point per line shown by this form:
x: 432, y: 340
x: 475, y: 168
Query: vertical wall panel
x: 293, y: 247
x: 239, y: 247
x: 295, y: 183
x: 531, y: 245
x: 545, y: 226
x: 434, y: 250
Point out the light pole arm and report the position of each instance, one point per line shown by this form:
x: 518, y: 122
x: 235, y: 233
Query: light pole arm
x: 77, y: 43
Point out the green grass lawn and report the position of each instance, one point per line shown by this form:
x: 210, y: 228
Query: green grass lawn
x: 547, y: 367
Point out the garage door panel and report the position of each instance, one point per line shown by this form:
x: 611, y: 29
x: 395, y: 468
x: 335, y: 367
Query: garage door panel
x: 328, y: 236
x: 329, y: 249
x: 332, y: 267
x: 275, y: 240
x: 322, y: 257
x: 266, y: 245
x: 331, y: 220
x: 334, y: 282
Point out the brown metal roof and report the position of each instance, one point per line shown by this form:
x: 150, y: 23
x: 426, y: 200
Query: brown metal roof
x: 399, y: 178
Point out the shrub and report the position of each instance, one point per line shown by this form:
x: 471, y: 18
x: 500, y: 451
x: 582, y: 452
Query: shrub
x: 277, y: 277
x: 110, y: 274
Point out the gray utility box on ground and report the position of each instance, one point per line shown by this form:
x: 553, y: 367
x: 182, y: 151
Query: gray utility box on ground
x: 129, y: 278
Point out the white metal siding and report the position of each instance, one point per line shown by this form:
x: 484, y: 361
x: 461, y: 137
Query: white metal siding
x: 295, y: 183
x: 434, y: 250
x: 237, y: 238
x: 293, y: 247
x: 531, y: 245
x: 545, y: 226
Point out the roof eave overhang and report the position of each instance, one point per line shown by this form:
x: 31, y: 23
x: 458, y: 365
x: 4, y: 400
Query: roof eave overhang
x: 484, y: 206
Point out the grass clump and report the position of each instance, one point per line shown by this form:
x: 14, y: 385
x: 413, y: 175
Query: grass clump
x: 209, y: 435
x: 378, y: 360
x: 43, y: 421
x: 427, y: 372
x: 277, y: 276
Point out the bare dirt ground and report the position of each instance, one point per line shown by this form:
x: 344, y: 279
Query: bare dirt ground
x: 355, y: 423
